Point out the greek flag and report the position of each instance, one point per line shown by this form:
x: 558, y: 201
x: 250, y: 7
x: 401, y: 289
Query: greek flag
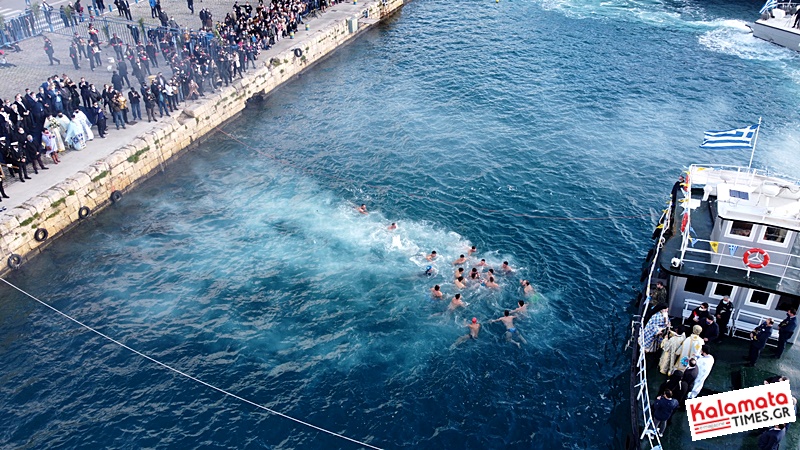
x: 771, y: 4
x: 730, y: 139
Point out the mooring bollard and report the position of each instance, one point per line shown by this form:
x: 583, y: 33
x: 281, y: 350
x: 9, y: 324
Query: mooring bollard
x: 306, y: 27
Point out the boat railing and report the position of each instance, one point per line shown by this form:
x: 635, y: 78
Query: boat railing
x: 731, y: 260
x: 649, y: 429
x: 750, y: 172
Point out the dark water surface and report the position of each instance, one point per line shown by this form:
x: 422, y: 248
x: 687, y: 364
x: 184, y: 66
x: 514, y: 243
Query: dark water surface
x: 498, y: 125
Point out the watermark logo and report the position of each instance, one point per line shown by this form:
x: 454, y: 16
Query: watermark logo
x: 742, y: 410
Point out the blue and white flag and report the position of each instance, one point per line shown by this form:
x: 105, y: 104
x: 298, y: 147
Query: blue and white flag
x: 771, y: 4
x: 730, y: 139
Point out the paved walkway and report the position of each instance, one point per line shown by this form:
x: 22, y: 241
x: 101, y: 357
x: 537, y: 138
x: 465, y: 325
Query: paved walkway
x: 33, y: 68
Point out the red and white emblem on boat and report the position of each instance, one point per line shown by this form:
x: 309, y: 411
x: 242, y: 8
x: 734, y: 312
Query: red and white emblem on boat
x: 756, y: 258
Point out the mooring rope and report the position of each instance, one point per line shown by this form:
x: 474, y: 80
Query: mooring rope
x: 289, y: 163
x: 223, y: 391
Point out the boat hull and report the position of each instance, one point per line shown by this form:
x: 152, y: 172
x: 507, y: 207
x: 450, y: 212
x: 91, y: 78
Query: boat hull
x: 785, y: 37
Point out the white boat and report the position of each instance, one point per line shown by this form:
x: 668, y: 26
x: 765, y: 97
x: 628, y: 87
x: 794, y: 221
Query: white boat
x: 778, y: 24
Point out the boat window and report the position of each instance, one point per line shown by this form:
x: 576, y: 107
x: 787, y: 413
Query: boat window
x: 774, y: 234
x: 739, y: 228
x: 787, y: 302
x: 760, y: 299
x: 721, y: 290
x: 696, y: 286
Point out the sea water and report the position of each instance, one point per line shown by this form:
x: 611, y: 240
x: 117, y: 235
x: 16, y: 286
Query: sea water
x: 547, y: 133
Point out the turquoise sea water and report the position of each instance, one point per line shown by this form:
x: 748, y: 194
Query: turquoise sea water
x: 502, y: 125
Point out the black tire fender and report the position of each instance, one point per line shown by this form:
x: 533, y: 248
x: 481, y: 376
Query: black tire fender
x: 116, y: 196
x: 14, y: 261
x: 41, y: 234
x: 84, y: 212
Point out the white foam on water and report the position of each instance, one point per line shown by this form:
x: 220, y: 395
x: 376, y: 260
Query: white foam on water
x: 733, y: 37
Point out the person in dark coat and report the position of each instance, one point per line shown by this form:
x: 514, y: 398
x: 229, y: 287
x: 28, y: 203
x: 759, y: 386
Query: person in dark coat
x: 676, y: 385
x: 758, y: 340
x: 785, y: 331
x: 16, y: 157
x: 710, y: 330
x: 33, y: 153
x: 73, y: 55
x: 116, y: 81
x: 122, y: 68
x: 689, y: 375
x: 49, y: 50
x: 663, y: 408
x: 771, y: 439
x: 101, y: 120
x: 723, y: 315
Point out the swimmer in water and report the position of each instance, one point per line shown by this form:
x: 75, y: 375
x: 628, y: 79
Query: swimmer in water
x: 456, y: 302
x: 459, y: 273
x: 472, y: 250
x: 432, y: 256
x: 429, y: 272
x: 436, y: 292
x: 362, y: 209
x: 491, y: 284
x: 482, y: 263
x: 522, y: 309
x: 460, y: 282
x: 474, y: 329
x: 474, y: 275
x: 461, y: 260
x: 527, y: 288
x: 391, y: 227
x: 506, y: 268
x: 511, y: 330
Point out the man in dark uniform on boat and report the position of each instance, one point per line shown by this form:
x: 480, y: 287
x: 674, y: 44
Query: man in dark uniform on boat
x: 758, y: 340
x: 723, y: 314
x: 676, y: 188
x: 785, y: 331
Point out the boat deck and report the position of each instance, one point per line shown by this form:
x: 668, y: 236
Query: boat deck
x: 728, y: 374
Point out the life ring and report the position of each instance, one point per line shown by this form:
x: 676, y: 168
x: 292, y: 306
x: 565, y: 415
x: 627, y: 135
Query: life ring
x: 298, y: 52
x: 14, y: 261
x: 759, y: 261
x: 84, y: 212
x: 116, y: 196
x: 40, y: 235
x: 684, y: 221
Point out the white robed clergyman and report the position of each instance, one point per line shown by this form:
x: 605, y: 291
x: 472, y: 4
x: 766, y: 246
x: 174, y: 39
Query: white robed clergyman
x: 83, y: 121
x: 75, y: 136
x: 691, y: 348
x: 704, y: 364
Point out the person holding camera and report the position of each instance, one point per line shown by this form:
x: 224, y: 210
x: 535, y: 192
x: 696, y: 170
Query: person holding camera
x: 758, y: 340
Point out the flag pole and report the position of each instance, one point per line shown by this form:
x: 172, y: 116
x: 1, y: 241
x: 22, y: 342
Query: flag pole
x: 755, y: 140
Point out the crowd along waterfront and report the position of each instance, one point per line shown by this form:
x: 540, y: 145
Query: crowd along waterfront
x: 541, y: 132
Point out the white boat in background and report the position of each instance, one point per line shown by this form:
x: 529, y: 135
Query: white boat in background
x: 778, y: 24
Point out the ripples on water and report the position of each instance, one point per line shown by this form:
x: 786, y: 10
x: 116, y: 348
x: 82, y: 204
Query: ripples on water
x: 466, y: 123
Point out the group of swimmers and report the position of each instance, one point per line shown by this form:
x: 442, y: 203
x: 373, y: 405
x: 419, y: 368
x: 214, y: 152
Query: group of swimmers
x: 475, y: 275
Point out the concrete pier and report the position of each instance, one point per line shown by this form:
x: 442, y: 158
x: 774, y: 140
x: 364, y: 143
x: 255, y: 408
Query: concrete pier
x: 55, y: 203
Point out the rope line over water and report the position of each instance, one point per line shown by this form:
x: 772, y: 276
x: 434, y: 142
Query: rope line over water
x: 197, y: 380
x: 289, y: 163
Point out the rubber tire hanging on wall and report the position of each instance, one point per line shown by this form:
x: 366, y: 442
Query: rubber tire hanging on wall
x: 298, y: 52
x: 84, y: 212
x: 14, y: 261
x: 41, y: 235
x: 116, y: 196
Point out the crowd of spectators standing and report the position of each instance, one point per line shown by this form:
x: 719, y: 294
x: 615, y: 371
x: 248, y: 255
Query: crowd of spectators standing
x: 61, y: 114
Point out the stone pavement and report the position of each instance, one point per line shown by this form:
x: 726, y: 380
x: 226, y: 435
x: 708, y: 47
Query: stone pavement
x: 33, y: 68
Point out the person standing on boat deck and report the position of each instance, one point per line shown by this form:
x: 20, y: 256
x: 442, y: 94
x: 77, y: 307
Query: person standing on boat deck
x: 691, y: 347
x: 663, y: 408
x: 771, y: 439
x: 676, y: 189
x: 723, y: 314
x: 511, y: 330
x: 671, y: 347
x: 704, y: 364
x: 785, y: 331
x: 655, y: 330
x: 697, y: 316
x: 658, y: 297
x: 758, y: 340
x: 690, y: 375
x: 474, y: 329
x: 710, y: 331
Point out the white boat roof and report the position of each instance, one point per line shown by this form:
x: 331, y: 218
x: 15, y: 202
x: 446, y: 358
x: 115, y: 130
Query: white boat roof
x: 750, y: 195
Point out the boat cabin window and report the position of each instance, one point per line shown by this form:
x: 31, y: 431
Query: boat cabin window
x: 775, y: 236
x: 719, y: 290
x: 787, y: 302
x: 760, y: 299
x: 740, y: 230
x: 696, y: 286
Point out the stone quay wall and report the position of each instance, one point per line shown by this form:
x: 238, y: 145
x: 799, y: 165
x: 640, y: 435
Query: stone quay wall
x: 64, y: 205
